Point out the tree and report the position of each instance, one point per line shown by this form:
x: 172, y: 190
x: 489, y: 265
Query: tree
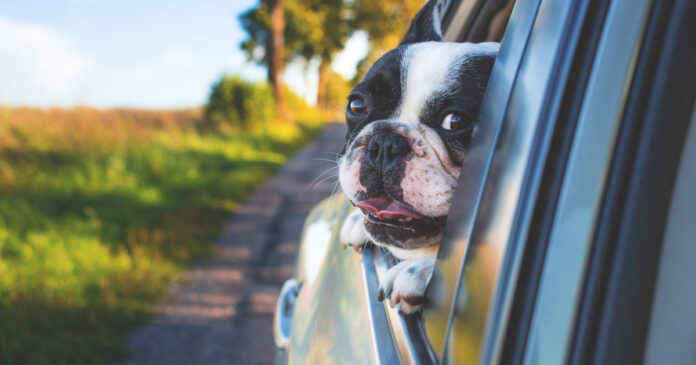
x: 320, y: 28
x: 313, y: 28
x: 385, y: 21
x: 332, y: 29
x: 265, y: 25
x: 276, y: 63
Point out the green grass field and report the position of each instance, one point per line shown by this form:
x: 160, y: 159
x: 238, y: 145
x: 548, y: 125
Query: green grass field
x: 100, y: 210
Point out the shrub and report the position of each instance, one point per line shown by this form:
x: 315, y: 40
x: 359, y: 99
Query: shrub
x: 336, y: 94
x: 237, y: 104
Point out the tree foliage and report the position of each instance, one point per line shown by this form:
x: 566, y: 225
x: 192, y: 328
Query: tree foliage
x: 385, y: 22
x: 237, y: 104
x: 320, y: 28
x: 312, y: 28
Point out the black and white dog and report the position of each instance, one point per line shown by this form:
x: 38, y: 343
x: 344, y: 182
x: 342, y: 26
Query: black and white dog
x: 409, y: 124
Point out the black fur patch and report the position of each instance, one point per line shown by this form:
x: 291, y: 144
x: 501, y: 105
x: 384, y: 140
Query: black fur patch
x: 381, y: 91
x: 422, y: 28
x: 463, y: 97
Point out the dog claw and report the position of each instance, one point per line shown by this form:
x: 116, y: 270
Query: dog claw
x: 384, y: 293
x: 404, y: 285
x: 394, y: 301
x: 414, y: 301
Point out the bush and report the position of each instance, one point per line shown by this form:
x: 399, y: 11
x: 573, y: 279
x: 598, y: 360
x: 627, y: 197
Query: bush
x: 237, y: 104
x: 336, y: 94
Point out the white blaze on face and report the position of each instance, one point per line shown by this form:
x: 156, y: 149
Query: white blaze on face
x: 431, y: 67
x: 427, y: 66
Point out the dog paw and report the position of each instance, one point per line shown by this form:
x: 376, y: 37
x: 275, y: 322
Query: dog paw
x: 353, y: 231
x: 405, y: 283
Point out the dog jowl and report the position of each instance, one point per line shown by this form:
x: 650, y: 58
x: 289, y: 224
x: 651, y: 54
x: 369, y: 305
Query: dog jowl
x: 410, y: 121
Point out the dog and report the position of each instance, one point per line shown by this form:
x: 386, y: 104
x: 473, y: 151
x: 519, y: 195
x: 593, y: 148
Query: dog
x: 410, y: 121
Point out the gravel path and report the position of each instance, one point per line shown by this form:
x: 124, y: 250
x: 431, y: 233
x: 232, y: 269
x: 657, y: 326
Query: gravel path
x: 223, y: 314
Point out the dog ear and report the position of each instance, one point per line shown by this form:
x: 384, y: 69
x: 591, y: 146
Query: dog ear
x: 425, y: 26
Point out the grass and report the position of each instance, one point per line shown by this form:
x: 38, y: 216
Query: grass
x: 101, y: 209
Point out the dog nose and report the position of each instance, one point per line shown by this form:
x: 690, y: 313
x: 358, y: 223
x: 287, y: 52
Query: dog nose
x: 385, y: 150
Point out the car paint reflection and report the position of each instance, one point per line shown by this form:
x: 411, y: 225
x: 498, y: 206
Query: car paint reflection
x: 331, y: 321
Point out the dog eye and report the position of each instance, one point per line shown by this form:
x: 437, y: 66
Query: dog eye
x: 357, y: 106
x: 453, y: 122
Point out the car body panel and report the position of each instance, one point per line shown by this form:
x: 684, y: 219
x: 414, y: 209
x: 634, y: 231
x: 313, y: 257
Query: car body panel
x: 328, y: 307
x: 336, y: 308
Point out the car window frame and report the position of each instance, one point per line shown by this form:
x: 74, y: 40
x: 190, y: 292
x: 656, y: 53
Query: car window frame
x: 623, y: 266
x: 563, y: 274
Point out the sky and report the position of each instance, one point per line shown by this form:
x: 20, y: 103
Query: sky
x: 128, y: 53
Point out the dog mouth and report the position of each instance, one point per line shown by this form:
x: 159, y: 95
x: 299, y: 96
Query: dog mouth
x: 395, y: 223
x: 387, y: 210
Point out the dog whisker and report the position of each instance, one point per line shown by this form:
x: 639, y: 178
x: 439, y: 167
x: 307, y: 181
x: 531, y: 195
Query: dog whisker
x: 324, y: 159
x: 330, y: 153
x: 338, y: 155
x: 330, y: 169
x: 334, y: 191
x: 324, y: 179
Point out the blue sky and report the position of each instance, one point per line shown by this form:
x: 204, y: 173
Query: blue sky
x: 127, y: 53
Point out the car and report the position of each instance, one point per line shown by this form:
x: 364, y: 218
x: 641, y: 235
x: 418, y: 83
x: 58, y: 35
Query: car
x: 573, y: 239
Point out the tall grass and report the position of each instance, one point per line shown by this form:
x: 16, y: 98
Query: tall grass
x: 101, y: 209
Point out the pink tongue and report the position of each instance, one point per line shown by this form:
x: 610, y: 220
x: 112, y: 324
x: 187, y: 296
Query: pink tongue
x: 386, y: 208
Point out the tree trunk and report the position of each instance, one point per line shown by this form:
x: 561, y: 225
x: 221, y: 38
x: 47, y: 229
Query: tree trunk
x: 321, y: 84
x: 275, y: 59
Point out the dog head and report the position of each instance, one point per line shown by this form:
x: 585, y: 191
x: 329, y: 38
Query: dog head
x: 409, y: 124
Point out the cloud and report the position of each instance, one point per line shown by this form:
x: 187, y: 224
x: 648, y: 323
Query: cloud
x: 41, y: 57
